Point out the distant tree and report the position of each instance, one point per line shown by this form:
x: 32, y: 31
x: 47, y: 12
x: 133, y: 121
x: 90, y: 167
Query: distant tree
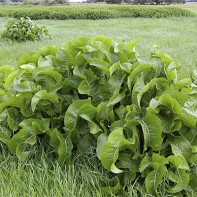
x: 94, y: 1
x: 30, y: 2
x: 91, y: 1
x: 128, y: 1
x: 60, y: 1
x: 53, y: 2
x: 113, y: 1
x: 46, y: 2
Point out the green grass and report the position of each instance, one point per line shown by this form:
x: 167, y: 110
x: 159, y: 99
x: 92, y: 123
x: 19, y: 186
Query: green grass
x: 41, y: 175
x: 175, y: 36
x: 192, y: 9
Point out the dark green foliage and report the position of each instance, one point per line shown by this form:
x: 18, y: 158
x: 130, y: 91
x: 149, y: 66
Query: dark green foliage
x: 54, y: 2
x: 113, y: 1
x: 30, y: 2
x: 24, y: 29
x: 60, y: 1
x: 91, y: 12
x: 95, y: 95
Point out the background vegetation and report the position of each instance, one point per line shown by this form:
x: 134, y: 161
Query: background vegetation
x: 61, y: 2
x: 91, y: 12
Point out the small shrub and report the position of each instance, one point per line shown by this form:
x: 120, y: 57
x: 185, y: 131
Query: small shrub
x: 24, y: 29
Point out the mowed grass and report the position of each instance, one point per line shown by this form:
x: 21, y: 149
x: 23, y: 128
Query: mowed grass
x: 175, y: 36
x: 41, y: 175
x: 193, y: 9
x: 192, y: 6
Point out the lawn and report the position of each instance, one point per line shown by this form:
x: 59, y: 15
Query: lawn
x: 175, y: 36
x: 41, y: 175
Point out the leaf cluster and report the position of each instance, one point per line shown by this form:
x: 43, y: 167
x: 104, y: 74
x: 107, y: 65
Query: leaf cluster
x: 95, y: 95
x: 24, y: 29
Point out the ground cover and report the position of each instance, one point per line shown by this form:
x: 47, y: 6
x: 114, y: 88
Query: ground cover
x: 42, y: 171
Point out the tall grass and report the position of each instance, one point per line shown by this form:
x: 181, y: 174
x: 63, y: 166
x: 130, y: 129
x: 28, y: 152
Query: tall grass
x: 42, y: 175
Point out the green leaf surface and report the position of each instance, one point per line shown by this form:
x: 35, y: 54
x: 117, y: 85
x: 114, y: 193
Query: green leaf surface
x: 42, y: 94
x: 71, y: 116
x: 152, y: 131
x: 138, y: 70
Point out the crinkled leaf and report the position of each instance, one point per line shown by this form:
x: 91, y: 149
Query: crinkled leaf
x: 27, y: 135
x: 71, y: 116
x: 152, y: 131
x: 139, y: 69
x: 101, y: 141
x: 42, y: 94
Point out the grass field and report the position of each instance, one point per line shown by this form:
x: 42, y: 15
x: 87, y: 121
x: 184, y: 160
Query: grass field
x: 175, y: 36
x: 41, y: 175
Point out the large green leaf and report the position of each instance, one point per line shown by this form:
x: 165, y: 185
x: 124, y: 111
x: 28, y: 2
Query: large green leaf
x: 42, y: 94
x: 26, y: 59
x: 156, y: 83
x: 182, y: 178
x: 27, y: 136
x: 138, y: 70
x: 155, y: 177
x: 45, y: 61
x: 181, y: 146
x: 110, y: 151
x: 4, y: 137
x: 111, y: 89
x: 48, y: 79
x: 12, y: 101
x: 14, y: 118
x: 90, y: 85
x: 152, y: 131
x: 62, y: 144
x: 88, y: 112
x: 101, y: 141
x: 72, y: 114
x: 175, y: 107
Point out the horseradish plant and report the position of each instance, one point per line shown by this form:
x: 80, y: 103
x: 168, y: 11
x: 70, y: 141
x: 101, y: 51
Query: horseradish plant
x: 24, y: 29
x: 97, y: 94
